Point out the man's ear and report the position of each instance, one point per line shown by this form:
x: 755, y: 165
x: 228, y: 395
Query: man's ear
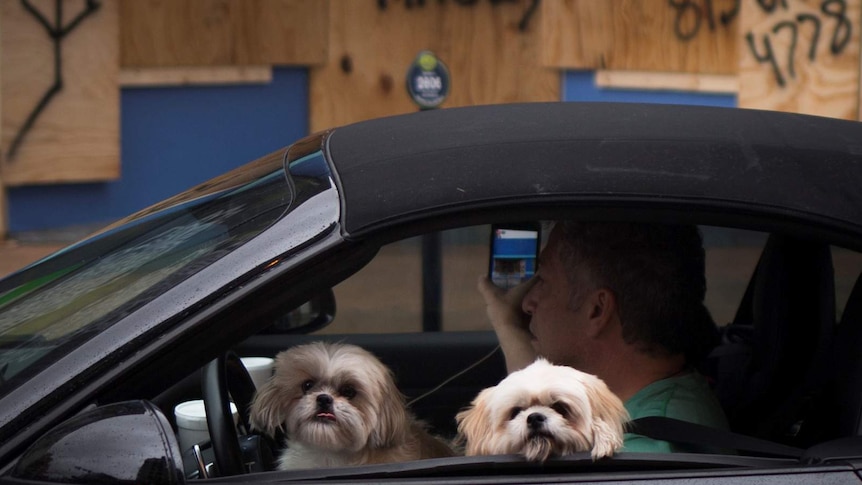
x: 602, y: 310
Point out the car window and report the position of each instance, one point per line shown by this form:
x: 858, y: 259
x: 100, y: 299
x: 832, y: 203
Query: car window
x: 386, y: 295
x: 848, y: 269
x: 52, y: 306
x: 465, y: 258
x: 731, y: 256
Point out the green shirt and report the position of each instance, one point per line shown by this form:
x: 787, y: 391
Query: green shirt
x: 687, y: 397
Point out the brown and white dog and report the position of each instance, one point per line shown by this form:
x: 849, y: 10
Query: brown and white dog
x: 339, y: 406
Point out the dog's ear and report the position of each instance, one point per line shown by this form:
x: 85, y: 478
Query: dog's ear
x: 393, y: 419
x: 474, y: 425
x: 609, y: 419
x: 267, y: 409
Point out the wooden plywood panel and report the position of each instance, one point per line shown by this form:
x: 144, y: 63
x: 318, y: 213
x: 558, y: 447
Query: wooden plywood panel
x: 697, y: 36
x: 76, y: 137
x: 373, y: 43
x: 199, y: 76
x: 177, y: 32
x: 4, y: 211
x: 4, y: 215
x: 668, y: 81
x: 283, y: 32
x: 169, y: 33
x: 801, y: 56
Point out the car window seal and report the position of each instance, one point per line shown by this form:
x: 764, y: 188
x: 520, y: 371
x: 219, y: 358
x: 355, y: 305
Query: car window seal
x: 515, y: 465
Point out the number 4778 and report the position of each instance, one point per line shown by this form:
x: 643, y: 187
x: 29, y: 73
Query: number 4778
x: 841, y: 34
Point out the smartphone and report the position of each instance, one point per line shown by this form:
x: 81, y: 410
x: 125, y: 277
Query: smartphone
x: 514, y: 253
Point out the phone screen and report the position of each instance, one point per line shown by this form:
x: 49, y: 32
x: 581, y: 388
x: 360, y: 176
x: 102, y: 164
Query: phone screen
x: 514, y: 253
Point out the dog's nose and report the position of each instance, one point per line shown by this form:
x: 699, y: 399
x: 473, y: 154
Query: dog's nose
x: 324, y: 400
x: 536, y: 420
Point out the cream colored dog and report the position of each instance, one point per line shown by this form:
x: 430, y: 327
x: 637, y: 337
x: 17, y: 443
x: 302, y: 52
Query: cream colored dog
x: 339, y: 406
x: 544, y: 410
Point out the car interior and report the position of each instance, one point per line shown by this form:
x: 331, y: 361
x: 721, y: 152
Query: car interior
x: 774, y: 371
x: 786, y: 371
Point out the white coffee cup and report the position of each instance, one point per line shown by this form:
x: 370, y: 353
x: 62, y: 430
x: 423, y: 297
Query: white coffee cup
x: 259, y: 368
x: 192, y: 422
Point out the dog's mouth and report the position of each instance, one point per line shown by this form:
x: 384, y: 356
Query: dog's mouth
x: 539, y: 446
x: 540, y: 434
x: 325, y: 416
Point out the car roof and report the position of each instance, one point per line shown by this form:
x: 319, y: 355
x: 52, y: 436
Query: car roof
x: 405, y: 167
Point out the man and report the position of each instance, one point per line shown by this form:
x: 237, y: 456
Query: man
x: 622, y: 301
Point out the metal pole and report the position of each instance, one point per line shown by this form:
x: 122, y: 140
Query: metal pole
x: 428, y: 85
x: 432, y: 283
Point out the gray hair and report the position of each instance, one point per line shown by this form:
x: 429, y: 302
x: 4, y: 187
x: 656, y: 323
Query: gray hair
x: 657, y: 274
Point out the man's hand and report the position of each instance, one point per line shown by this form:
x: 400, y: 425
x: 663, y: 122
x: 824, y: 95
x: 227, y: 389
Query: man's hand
x: 503, y: 308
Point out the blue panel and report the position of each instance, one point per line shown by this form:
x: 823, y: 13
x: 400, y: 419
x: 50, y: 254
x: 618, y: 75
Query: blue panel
x: 172, y: 139
x: 581, y: 86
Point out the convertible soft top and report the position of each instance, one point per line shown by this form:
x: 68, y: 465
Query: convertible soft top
x: 716, y: 159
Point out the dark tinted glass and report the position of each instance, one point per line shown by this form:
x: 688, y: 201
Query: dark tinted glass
x: 51, y: 307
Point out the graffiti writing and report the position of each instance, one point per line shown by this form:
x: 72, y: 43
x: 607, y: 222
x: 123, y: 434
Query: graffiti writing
x: 769, y: 6
x: 690, y: 16
x: 835, y: 20
x: 57, y: 32
x: 522, y: 24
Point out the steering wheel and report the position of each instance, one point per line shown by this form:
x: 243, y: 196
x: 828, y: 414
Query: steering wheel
x: 223, y: 378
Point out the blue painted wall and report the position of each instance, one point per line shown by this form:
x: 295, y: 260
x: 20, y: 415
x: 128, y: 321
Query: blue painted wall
x: 174, y: 138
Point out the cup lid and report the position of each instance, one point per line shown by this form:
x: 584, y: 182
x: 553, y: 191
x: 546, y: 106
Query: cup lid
x: 193, y: 415
x: 252, y: 363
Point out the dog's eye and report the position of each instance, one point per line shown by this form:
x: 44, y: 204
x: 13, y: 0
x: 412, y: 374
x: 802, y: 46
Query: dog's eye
x: 514, y: 413
x: 347, y: 391
x: 560, y: 408
x: 307, y: 385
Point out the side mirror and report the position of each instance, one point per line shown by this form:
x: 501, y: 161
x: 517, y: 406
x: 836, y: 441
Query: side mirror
x: 306, y: 318
x: 128, y: 442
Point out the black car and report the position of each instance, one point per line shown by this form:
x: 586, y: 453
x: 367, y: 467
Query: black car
x: 388, y: 221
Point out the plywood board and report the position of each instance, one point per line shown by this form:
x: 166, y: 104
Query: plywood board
x: 697, y: 36
x: 4, y: 210
x: 372, y: 44
x: 4, y: 214
x: 199, y: 76
x: 76, y: 137
x: 801, y: 56
x: 158, y: 33
x: 668, y: 81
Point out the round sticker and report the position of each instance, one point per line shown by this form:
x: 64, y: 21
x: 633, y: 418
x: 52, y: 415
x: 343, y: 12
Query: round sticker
x: 428, y: 80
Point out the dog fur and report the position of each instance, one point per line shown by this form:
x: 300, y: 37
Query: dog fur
x: 339, y: 406
x: 544, y: 410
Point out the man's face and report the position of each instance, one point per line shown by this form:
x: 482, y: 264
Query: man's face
x: 558, y: 328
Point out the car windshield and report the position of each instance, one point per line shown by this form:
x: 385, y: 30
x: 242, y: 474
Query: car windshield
x: 56, y: 304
